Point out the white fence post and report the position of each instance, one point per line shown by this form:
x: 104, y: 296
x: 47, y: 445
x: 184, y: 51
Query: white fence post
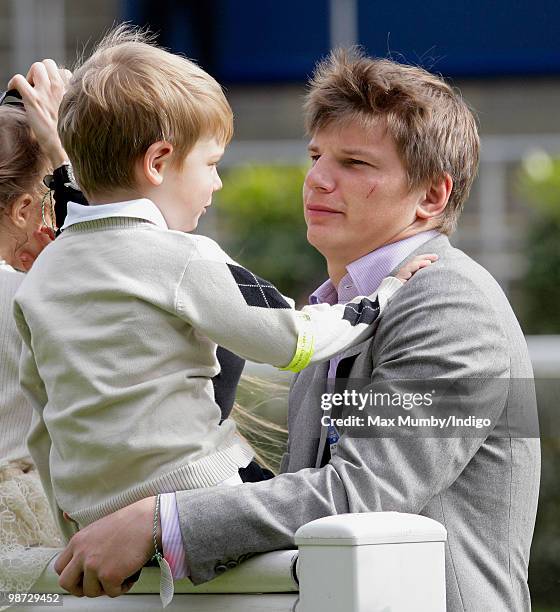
x: 372, y: 562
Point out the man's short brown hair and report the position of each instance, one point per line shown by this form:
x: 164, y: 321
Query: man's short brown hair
x: 433, y: 128
x: 128, y: 95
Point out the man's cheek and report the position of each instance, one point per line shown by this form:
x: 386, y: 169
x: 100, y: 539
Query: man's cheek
x: 370, y: 189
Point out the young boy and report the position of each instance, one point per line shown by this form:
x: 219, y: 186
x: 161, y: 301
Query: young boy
x: 119, y: 352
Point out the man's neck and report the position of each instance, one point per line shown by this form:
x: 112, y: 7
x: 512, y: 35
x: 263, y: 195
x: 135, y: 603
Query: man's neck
x: 337, y: 271
x: 338, y: 267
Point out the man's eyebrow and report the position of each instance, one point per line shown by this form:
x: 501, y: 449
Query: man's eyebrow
x: 359, y: 152
x: 312, y: 148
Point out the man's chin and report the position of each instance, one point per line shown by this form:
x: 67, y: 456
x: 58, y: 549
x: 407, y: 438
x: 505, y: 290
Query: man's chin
x: 321, y: 239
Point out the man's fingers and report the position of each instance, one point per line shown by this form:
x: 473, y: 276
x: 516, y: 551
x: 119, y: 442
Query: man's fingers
x: 126, y: 586
x: 91, y: 584
x: 63, y: 559
x: 111, y: 586
x: 71, y: 578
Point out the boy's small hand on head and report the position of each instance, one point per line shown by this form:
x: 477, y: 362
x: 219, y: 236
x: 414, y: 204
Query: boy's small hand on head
x: 42, y: 91
x: 415, y: 264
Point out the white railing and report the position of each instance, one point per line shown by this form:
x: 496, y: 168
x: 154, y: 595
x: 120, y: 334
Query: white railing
x: 350, y: 562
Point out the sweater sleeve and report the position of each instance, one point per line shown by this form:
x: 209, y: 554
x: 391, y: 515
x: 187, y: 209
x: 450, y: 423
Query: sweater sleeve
x: 249, y: 316
x: 38, y: 439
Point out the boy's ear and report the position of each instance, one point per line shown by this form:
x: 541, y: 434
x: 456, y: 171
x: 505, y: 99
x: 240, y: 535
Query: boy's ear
x: 435, y: 199
x: 155, y: 161
x: 21, y: 211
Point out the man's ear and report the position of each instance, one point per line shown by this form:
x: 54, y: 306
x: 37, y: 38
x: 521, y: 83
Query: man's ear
x: 154, y: 163
x: 436, y: 198
x: 21, y: 211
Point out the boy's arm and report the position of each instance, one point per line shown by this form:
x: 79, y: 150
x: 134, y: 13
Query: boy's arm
x: 249, y: 316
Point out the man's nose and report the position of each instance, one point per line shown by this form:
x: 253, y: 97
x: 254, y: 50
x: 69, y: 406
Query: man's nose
x: 319, y: 177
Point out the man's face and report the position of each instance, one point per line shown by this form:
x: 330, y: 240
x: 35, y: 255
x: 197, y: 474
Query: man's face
x: 356, y: 196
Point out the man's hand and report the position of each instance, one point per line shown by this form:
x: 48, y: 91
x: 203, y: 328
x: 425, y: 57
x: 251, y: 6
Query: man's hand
x: 101, y: 558
x: 415, y: 264
x: 42, y: 91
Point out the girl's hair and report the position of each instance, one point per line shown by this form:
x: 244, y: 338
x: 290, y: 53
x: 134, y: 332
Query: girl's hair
x: 268, y: 439
x: 22, y: 161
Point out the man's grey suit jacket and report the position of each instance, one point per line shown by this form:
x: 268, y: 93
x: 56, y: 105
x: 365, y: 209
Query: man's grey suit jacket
x: 450, y: 320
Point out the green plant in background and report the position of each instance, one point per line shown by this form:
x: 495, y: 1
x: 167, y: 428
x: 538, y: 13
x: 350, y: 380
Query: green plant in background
x: 260, y: 223
x: 540, y: 185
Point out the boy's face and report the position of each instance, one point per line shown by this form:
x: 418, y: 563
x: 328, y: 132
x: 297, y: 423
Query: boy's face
x: 190, y: 188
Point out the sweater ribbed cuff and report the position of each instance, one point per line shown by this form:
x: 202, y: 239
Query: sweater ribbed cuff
x: 204, y: 472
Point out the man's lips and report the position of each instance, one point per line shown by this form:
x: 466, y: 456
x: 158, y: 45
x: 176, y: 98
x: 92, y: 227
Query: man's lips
x: 319, y: 210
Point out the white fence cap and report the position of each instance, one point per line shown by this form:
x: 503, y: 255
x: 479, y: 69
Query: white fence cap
x: 370, y: 528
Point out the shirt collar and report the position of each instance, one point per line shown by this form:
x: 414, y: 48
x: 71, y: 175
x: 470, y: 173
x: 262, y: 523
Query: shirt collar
x: 364, y: 275
x: 137, y: 209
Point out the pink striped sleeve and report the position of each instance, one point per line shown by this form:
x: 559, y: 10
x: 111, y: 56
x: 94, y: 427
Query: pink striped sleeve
x: 171, y: 538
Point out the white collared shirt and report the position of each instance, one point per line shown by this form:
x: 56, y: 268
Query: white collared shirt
x: 136, y: 209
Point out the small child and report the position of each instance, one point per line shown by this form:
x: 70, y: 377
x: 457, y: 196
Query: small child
x: 120, y: 350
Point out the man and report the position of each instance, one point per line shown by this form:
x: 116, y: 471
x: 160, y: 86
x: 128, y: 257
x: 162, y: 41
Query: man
x: 394, y: 153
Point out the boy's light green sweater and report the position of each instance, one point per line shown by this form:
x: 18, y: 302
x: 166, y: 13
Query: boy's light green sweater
x: 120, y: 319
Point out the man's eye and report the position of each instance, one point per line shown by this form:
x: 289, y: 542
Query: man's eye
x: 355, y: 162
x: 314, y: 158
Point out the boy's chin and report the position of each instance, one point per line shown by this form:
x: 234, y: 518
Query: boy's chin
x: 187, y: 226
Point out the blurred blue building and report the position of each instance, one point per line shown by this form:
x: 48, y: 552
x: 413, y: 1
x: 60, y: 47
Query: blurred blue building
x: 256, y: 41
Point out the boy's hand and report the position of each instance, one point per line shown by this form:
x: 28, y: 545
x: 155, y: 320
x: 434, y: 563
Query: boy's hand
x: 415, y: 264
x: 42, y: 91
x: 102, y: 558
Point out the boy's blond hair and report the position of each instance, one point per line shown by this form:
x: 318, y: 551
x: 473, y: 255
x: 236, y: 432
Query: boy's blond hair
x: 433, y: 128
x: 129, y: 94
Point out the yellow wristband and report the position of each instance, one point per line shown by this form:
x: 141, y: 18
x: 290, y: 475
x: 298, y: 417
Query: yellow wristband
x: 304, y: 348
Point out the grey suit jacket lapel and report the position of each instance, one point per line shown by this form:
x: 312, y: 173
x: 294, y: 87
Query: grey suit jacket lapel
x: 305, y: 411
